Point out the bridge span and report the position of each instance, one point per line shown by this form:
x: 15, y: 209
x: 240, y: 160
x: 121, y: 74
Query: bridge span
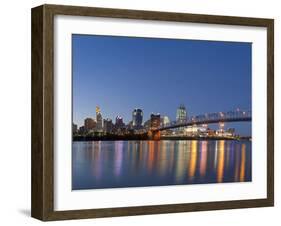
x: 211, y: 118
x: 202, y: 122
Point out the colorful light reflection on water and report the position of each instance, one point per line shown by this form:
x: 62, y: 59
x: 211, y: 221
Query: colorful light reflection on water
x: 112, y: 164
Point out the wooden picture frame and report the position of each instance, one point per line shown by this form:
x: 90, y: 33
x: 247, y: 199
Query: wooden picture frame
x: 43, y: 107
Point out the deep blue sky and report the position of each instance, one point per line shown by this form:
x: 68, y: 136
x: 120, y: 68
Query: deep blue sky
x: 157, y: 75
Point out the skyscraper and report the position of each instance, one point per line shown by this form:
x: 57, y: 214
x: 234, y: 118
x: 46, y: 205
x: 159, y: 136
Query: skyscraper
x: 119, y: 125
x: 165, y: 120
x: 181, y: 114
x: 155, y: 121
x: 99, y: 126
x: 119, y: 122
x: 137, y: 118
x: 89, y: 124
x: 107, y: 125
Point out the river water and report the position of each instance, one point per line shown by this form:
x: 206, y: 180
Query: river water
x: 115, y: 164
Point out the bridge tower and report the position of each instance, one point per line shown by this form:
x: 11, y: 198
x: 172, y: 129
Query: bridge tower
x: 154, y: 133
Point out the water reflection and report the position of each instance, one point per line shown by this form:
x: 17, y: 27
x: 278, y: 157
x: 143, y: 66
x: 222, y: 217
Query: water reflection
x: 220, y: 161
x: 242, y: 165
x: 203, y: 158
x: 118, y: 157
x: 109, y: 164
x: 181, y: 161
x: 193, y: 158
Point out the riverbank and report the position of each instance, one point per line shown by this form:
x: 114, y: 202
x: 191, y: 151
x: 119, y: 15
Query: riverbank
x: 142, y: 137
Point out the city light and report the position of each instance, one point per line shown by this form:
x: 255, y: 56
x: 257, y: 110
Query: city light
x: 158, y: 126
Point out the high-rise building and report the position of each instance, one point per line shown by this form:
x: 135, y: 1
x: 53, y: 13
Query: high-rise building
x: 137, y: 118
x: 155, y: 121
x: 99, y: 126
x: 165, y: 121
x: 181, y: 114
x: 89, y: 124
x: 119, y: 124
x: 107, y: 125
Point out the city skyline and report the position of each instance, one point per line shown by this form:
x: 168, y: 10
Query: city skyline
x: 119, y: 74
x: 93, y: 116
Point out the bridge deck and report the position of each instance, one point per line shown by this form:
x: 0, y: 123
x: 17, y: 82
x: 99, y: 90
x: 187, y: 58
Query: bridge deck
x: 206, y: 121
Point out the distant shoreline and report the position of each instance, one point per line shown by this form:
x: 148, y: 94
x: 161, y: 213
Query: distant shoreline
x: 162, y: 138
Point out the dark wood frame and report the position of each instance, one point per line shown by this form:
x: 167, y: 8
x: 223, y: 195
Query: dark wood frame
x: 42, y: 203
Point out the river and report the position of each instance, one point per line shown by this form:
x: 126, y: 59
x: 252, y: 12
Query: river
x: 115, y: 164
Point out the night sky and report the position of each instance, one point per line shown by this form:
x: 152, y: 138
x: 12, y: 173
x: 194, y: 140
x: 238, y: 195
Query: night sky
x: 157, y: 75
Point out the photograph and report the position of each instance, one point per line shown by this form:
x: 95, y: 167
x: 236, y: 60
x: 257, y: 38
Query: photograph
x: 152, y: 111
x: 139, y: 112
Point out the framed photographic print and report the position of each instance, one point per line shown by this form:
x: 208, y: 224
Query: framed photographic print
x: 141, y: 112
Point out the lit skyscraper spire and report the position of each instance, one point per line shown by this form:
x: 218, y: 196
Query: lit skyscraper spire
x: 97, y: 109
x: 99, y: 126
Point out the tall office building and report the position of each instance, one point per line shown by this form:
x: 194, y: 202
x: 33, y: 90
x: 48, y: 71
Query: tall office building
x: 99, y: 126
x: 119, y: 124
x: 155, y: 121
x: 89, y: 124
x: 107, y: 125
x: 181, y: 114
x: 165, y: 121
x: 137, y: 118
